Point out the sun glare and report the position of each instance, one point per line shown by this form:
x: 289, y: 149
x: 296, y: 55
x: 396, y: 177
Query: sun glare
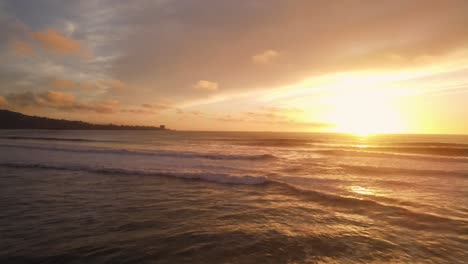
x: 364, y: 111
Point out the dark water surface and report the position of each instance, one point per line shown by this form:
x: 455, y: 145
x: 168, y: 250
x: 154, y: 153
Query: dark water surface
x: 213, y: 197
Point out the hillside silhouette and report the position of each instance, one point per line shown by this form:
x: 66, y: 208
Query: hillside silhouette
x: 15, y: 120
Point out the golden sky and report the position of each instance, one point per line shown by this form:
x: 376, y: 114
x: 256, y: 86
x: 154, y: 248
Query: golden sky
x: 348, y: 66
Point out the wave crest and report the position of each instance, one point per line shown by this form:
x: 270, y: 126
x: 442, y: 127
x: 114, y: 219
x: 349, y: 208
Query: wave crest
x: 372, y: 154
x: 210, y: 177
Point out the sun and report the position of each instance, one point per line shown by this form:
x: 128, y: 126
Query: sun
x: 364, y: 111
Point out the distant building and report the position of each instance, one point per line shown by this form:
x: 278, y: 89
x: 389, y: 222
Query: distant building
x: 162, y: 127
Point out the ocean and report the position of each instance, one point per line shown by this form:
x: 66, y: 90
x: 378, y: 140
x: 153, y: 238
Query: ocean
x: 232, y: 197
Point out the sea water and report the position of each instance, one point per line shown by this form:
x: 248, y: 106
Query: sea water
x: 232, y: 197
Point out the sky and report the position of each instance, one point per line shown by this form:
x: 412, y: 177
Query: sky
x: 363, y: 66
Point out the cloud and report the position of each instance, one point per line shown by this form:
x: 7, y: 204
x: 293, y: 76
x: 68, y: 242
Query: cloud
x: 58, y: 83
x: 104, y: 84
x: 196, y: 113
x: 147, y: 109
x: 265, y: 57
x: 23, y: 49
x: 303, y: 124
x: 70, y: 27
x: 87, y: 85
x: 274, y: 116
x: 61, y: 101
x: 310, y: 37
x: 106, y: 106
x: 206, y: 85
x: 63, y: 84
x: 22, y: 99
x: 56, y: 42
x: 272, y: 113
x: 273, y: 120
x: 230, y: 118
x: 159, y: 49
x: 57, y: 100
x: 114, y: 84
x: 158, y: 107
x: 138, y: 111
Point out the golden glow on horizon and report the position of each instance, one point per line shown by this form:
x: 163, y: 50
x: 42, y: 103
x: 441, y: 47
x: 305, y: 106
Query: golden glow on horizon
x: 405, y: 72
x: 362, y: 106
x: 364, y: 113
x: 361, y: 103
x: 406, y: 100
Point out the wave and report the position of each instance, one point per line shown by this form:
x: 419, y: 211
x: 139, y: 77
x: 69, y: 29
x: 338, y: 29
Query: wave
x: 372, y: 154
x: 395, y: 213
x: 158, y: 153
x: 53, y: 139
x: 290, y: 189
x: 431, y: 144
x: 401, y: 171
x: 279, y: 142
x: 210, y: 177
x: 429, y: 150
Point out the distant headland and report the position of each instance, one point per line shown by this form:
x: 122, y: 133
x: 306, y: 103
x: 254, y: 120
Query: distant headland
x: 14, y: 120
